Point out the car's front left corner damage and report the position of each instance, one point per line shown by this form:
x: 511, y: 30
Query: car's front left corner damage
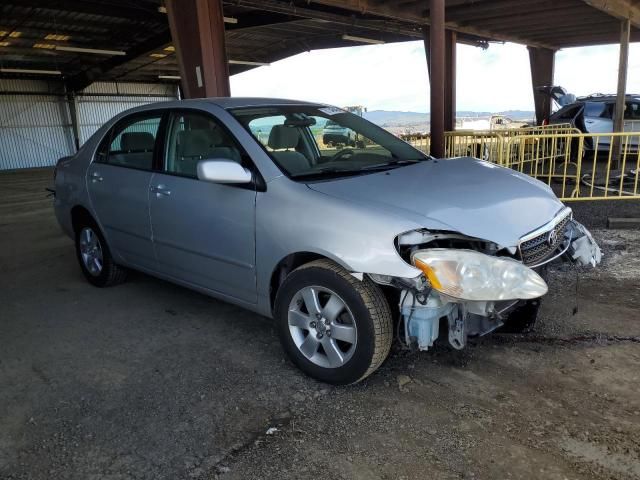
x: 470, y: 287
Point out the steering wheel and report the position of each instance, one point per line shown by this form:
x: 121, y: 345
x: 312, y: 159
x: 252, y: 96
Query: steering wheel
x: 343, y: 153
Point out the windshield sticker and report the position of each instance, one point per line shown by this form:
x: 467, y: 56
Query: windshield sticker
x: 331, y: 110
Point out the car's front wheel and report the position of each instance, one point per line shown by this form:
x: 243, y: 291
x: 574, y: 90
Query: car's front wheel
x: 334, y: 327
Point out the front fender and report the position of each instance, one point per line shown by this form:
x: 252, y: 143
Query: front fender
x: 291, y: 218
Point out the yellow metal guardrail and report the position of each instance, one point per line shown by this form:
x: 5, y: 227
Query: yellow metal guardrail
x: 602, y: 166
x: 576, y: 165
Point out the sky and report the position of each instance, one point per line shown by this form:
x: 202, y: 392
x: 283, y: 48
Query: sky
x: 394, y: 76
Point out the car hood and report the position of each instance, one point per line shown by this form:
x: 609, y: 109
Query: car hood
x: 464, y: 195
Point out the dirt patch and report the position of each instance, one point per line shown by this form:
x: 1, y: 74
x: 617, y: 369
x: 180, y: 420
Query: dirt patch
x: 152, y: 381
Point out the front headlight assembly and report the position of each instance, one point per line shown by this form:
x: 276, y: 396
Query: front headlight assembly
x: 474, y: 276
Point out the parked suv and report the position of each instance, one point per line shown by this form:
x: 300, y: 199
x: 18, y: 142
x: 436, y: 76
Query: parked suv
x: 335, y: 134
x: 593, y: 113
x: 332, y: 244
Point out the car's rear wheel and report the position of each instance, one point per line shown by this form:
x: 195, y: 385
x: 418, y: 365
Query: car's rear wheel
x: 333, y: 326
x: 95, y: 258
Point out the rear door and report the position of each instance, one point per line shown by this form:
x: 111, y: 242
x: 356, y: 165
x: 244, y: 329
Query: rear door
x: 118, y: 182
x: 598, y: 118
x: 632, y: 117
x: 204, y: 233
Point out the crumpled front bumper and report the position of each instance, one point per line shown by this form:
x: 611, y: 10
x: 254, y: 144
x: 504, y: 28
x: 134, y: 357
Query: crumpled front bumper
x: 468, y: 318
x: 583, y: 249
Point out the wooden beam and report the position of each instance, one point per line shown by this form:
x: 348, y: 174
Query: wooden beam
x: 569, y: 30
x: 565, y: 26
x: 544, y: 19
x: 140, y: 11
x: 504, y: 8
x: 418, y: 16
x: 584, y: 39
x: 621, y: 9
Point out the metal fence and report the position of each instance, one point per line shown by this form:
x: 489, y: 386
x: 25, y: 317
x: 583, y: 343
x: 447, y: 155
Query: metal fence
x: 577, y: 166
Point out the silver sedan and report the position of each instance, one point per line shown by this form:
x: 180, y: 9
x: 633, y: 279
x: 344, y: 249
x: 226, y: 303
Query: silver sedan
x: 344, y: 246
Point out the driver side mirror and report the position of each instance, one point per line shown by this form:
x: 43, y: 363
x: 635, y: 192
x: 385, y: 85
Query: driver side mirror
x: 223, y: 171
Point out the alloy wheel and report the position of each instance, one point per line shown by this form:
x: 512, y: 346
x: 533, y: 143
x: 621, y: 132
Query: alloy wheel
x: 322, y: 327
x: 91, y: 251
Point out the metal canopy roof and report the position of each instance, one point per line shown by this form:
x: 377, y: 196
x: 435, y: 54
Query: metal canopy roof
x: 269, y: 30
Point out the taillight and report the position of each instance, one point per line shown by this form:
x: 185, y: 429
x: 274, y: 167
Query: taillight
x: 545, y: 122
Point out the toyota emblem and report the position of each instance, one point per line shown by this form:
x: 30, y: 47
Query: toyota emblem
x: 552, y: 239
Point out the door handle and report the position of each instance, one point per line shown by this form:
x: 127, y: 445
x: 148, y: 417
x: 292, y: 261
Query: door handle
x: 160, y: 190
x: 96, y: 177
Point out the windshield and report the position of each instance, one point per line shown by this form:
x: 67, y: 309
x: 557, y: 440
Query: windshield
x: 309, y: 142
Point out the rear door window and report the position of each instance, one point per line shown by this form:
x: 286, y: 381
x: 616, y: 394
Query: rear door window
x: 594, y: 109
x: 132, y: 142
x: 632, y: 112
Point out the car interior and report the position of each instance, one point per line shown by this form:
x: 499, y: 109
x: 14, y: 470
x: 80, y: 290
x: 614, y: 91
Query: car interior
x: 133, y: 145
x: 294, y: 139
x: 193, y: 138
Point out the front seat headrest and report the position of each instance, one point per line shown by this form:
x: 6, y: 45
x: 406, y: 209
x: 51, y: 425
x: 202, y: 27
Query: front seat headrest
x: 283, y: 136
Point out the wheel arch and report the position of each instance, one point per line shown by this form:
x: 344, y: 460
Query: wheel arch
x: 288, y: 264
x: 80, y: 214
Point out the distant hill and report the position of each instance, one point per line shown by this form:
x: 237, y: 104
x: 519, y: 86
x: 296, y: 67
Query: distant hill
x: 386, y: 118
x: 394, y: 118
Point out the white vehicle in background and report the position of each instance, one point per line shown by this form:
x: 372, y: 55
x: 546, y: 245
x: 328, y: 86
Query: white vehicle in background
x: 334, y: 134
x: 494, y: 122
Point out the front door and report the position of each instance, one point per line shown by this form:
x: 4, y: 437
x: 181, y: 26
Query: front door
x: 204, y: 233
x: 118, y: 182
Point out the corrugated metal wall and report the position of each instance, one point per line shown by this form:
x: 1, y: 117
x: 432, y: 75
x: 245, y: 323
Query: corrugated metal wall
x: 102, y: 101
x: 35, y: 121
x: 35, y: 127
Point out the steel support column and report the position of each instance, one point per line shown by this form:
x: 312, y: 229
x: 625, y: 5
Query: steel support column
x: 436, y: 48
x: 197, y: 30
x: 72, y: 103
x: 450, y: 75
x: 450, y: 82
x: 625, y: 33
x: 623, y: 66
x: 542, y: 62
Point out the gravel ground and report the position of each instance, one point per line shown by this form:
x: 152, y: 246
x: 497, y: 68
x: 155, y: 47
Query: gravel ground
x: 148, y: 380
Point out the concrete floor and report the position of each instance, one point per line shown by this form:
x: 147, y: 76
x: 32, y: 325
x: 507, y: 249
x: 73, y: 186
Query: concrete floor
x: 149, y: 380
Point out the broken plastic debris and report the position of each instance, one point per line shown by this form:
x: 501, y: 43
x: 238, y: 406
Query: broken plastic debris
x: 271, y: 430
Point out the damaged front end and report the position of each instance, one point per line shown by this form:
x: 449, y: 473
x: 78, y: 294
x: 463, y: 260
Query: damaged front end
x: 470, y: 287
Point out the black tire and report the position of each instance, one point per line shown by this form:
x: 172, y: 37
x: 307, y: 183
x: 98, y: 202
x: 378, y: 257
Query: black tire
x: 371, y: 315
x: 111, y: 273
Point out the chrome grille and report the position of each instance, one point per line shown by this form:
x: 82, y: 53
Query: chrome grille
x: 537, y: 249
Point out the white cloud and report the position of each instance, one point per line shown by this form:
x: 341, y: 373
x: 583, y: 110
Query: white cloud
x: 394, y: 76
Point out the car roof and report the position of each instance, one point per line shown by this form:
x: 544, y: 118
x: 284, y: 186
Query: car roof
x: 223, y: 102
x: 241, y: 102
x: 600, y: 97
x: 236, y: 102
